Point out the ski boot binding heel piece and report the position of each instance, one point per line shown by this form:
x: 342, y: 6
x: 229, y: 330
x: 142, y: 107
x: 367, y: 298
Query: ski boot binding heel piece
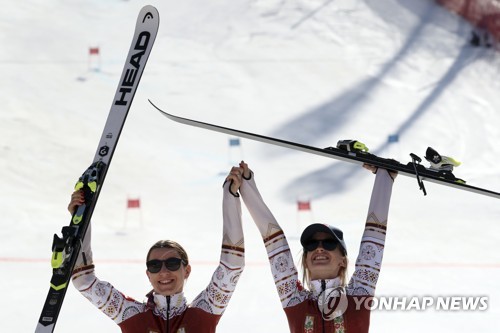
x: 443, y: 165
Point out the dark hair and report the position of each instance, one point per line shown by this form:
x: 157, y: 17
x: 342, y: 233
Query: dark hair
x: 168, y: 244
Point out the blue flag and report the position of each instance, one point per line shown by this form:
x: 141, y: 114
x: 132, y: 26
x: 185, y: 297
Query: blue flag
x: 234, y: 142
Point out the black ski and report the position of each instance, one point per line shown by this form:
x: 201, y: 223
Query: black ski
x: 67, y: 248
x: 353, y: 155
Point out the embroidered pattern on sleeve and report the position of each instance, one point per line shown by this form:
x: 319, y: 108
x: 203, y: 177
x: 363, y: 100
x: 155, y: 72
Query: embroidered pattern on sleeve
x: 106, y: 298
x: 215, y: 298
x: 368, y: 263
x: 282, y: 267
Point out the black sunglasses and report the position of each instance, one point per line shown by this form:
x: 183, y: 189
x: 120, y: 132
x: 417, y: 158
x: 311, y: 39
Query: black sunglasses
x: 172, y: 264
x: 329, y: 244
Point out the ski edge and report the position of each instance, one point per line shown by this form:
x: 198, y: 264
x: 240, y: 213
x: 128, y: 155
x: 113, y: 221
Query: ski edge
x: 344, y: 156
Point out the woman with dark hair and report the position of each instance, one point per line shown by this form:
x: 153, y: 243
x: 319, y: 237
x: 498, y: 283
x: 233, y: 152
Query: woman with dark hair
x: 331, y: 303
x: 167, y: 268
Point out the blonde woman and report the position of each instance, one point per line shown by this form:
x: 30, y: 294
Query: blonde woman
x: 330, y: 303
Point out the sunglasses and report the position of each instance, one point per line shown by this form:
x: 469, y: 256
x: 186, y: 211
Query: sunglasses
x: 172, y: 264
x: 329, y: 244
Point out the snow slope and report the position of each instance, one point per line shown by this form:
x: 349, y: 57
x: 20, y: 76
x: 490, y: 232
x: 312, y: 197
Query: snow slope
x: 309, y: 71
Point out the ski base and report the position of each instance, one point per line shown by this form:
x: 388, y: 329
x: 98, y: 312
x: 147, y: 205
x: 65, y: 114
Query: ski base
x: 358, y: 156
x: 66, y: 249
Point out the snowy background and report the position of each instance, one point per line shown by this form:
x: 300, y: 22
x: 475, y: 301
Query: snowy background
x: 312, y: 71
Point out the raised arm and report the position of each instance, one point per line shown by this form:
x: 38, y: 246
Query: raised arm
x: 369, y: 261
x: 232, y: 259
x: 280, y: 258
x: 100, y: 293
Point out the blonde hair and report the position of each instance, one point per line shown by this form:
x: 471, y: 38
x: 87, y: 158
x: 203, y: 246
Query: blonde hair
x: 306, y: 278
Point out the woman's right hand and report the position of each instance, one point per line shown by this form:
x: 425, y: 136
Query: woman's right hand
x: 236, y: 174
x: 234, y: 177
x: 77, y: 199
x: 374, y: 170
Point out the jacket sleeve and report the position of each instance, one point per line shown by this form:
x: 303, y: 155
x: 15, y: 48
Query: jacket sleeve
x: 369, y: 260
x: 216, y: 296
x: 101, y: 293
x: 280, y: 258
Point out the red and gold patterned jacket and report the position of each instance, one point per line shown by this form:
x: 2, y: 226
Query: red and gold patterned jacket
x: 327, y: 306
x: 162, y: 314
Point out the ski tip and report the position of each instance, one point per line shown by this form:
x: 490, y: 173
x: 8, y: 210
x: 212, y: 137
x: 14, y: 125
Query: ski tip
x: 161, y: 111
x: 153, y: 104
x: 148, y: 13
